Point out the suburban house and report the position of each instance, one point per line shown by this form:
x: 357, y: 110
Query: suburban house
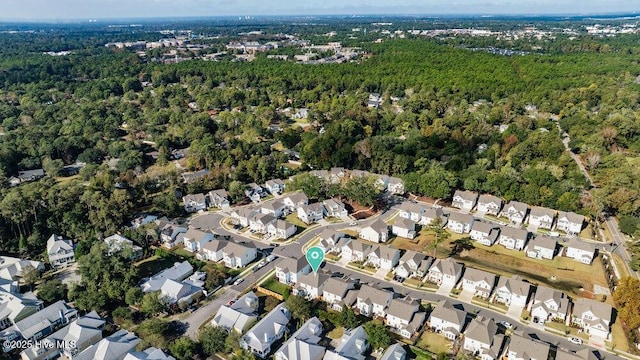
x: 594, y: 317
x: 394, y: 352
x: 82, y: 333
x: 335, y: 290
x: 242, y: 216
x: 489, y: 204
x: 482, y: 339
x: 274, y: 208
x: 430, y: 214
x: 172, y: 235
x: 267, y: 331
x: 60, y: 251
x: 383, y: 257
x: 15, y: 306
x: 294, y: 200
x: 42, y: 323
x: 377, y: 232
x: 290, y: 270
x: 584, y: 354
x: 411, y: 211
x: 11, y: 268
x: 513, y: 238
x: 460, y: 223
x: 311, y: 285
x: 195, y: 239
x: 237, y: 255
x: 465, y: 200
x: 521, y: 348
x: 541, y: 217
x: 352, y: 346
x: 219, y: 198
x: 212, y: 251
x: 259, y: 222
x: 114, y: 346
x: 445, y: 272
x: 447, y: 320
x: 321, y: 174
x: 512, y: 291
x: 336, y: 174
x: 303, y: 344
x: 541, y: 247
x: 335, y: 208
x: 395, y: 185
x: 405, y: 228
x: 485, y: 233
x: 281, y: 229
x: 404, y: 317
x: 515, y: 211
x: 189, y: 177
x: 181, y: 292
x: 194, y: 202
x: 143, y: 219
x: 413, y: 264
x: 356, y: 251
x: 274, y: 186
x: 549, y: 304
x: 117, y: 243
x: 151, y: 353
x: 569, y: 222
x: 254, y: 192
x: 372, y: 301
x: 579, y: 250
x: 478, y: 282
x: 332, y: 241
x: 311, y: 213
x: 238, y: 315
x: 178, y: 272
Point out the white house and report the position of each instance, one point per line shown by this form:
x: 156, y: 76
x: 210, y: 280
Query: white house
x: 445, y: 272
x: 549, y: 304
x: 594, y: 317
x: 482, y: 339
x: 465, y: 200
x: 254, y: 192
x: 377, y: 232
x: 238, y: 255
x: 411, y: 211
x: 239, y: 314
x: 60, y: 251
x: 512, y: 291
x: 194, y: 202
x: 569, y: 222
x: 311, y: 285
x: 335, y: 290
x: 336, y: 174
x: 489, y: 204
x: 460, y: 223
x: 356, y: 251
x: 290, y: 270
x: 447, y: 320
x: 114, y: 346
x: 515, y: 211
x: 281, y: 229
x: 405, y: 228
x: 171, y: 234
x: 521, y: 348
x: 478, y: 282
x: 332, y: 241
x: 304, y: 343
x: 180, y: 292
x: 541, y: 217
x: 579, y: 250
x: 195, y: 239
x: 404, y: 317
x: 311, y: 213
x: 178, y: 272
x: 541, y: 247
x: 259, y: 222
x: 373, y: 301
x: 275, y: 186
x: 430, y: 214
x: 395, y: 185
x: 485, y: 233
x: 275, y: 208
x: 242, y: 216
x: 394, y: 352
x: 212, y: 250
x: 413, y: 264
x: 294, y: 200
x: 513, y: 238
x: 335, y: 208
x: 352, y: 346
x: 218, y: 198
x: 383, y: 257
x: 267, y: 331
x: 117, y: 243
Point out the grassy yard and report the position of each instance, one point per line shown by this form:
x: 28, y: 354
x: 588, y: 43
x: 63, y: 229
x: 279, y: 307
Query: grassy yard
x: 619, y: 337
x: 333, y: 257
x: 153, y: 265
x: 336, y: 333
x: 293, y: 218
x: 423, y: 242
x: 434, y: 343
x: 274, y: 285
x: 182, y: 252
x: 562, y: 328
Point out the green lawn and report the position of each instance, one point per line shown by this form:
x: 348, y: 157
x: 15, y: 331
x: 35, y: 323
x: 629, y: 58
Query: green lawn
x: 434, y: 343
x: 293, y: 218
x: 274, y: 285
x: 153, y: 265
x: 182, y: 252
x: 418, y: 354
x: 336, y: 333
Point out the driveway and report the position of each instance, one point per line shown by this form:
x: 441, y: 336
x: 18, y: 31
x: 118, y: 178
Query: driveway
x: 515, y: 311
x: 466, y: 296
x: 202, y: 314
x: 445, y: 289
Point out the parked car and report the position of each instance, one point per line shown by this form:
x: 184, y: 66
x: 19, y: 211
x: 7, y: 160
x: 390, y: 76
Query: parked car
x: 506, y: 324
x: 238, y: 282
x: 575, y: 340
x: 353, y: 223
x: 270, y: 258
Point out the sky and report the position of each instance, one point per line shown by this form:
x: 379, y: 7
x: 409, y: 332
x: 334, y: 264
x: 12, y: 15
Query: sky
x: 110, y: 9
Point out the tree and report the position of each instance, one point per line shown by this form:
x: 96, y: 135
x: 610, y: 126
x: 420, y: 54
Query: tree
x: 122, y: 314
x: 347, y: 318
x: 152, y: 303
x: 461, y: 245
x: 30, y: 275
x: 154, y: 332
x: 212, y: 339
x: 629, y: 224
x: 52, y: 167
x: 626, y: 297
x: 52, y: 290
x: 300, y: 308
x: 183, y: 348
x: 133, y: 296
x: 377, y: 334
x: 440, y: 234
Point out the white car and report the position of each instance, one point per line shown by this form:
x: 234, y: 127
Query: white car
x: 506, y: 324
x: 353, y: 223
x: 575, y: 340
x: 238, y: 282
x: 270, y: 258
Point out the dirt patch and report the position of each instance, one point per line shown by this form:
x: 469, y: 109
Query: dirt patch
x: 358, y: 211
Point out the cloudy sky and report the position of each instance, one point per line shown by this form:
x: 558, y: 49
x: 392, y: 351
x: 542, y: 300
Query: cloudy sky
x: 94, y: 9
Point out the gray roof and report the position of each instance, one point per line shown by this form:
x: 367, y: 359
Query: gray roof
x: 313, y: 207
x: 416, y: 256
x: 519, y: 206
x: 385, y: 252
x: 466, y: 195
x: 584, y: 354
x: 42, y: 319
x: 571, y: 216
x: 541, y: 211
x: 482, y: 329
x: 515, y: 286
x: 239, y: 314
x: 352, y: 346
x: 374, y: 295
x: 220, y: 192
x: 482, y: 226
x: 272, y: 323
x: 579, y: 244
x: 337, y: 287
x: 303, y: 344
x: 273, y: 205
x: 198, y: 198
x: 394, y: 352
x: 528, y: 349
x: 599, y: 309
x: 514, y: 233
x: 237, y: 249
x: 359, y: 246
x: 544, y: 293
x: 476, y: 275
x: 151, y: 353
x: 215, y: 246
x: 56, y: 243
x: 112, y: 347
x: 460, y: 218
x: 544, y: 241
x: 447, y: 266
x: 333, y: 203
x: 403, y: 308
x: 273, y: 182
x: 313, y: 280
x: 298, y: 197
x: 488, y: 199
x: 445, y: 311
x: 293, y: 265
x: 264, y: 219
x: 379, y: 226
x: 405, y: 223
x: 412, y: 207
x: 246, y: 212
x: 282, y: 224
x: 177, y: 272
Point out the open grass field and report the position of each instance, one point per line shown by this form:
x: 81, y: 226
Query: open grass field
x: 434, y: 343
x: 424, y: 243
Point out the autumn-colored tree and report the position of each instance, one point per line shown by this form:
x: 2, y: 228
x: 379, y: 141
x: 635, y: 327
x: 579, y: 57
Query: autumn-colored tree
x: 626, y: 297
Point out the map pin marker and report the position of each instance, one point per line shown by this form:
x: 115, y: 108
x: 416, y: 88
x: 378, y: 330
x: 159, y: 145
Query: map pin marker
x: 315, y: 256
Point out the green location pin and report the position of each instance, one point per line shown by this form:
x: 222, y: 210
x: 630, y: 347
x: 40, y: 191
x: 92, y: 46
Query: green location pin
x: 315, y: 256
